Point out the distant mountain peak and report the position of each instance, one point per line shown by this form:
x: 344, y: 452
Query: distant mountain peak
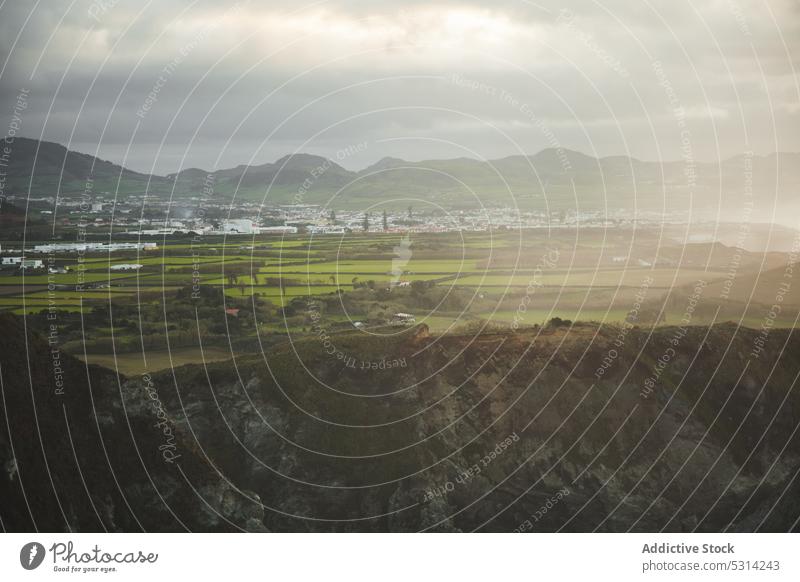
x: 562, y: 155
x: 189, y: 173
x: 301, y: 160
x: 385, y: 163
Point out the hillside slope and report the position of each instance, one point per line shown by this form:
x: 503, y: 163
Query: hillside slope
x: 94, y: 458
x: 49, y: 169
x: 371, y: 448
x: 421, y: 433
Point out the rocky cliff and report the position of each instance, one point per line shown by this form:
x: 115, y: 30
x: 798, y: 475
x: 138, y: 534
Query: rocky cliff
x: 574, y: 428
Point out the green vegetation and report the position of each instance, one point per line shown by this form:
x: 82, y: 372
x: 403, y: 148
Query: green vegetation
x: 450, y: 282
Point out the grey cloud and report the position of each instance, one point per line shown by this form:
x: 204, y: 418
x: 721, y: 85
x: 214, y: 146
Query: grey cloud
x: 569, y: 76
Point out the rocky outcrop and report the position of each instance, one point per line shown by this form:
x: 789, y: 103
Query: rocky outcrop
x: 83, y: 449
x: 330, y: 446
x: 539, y: 430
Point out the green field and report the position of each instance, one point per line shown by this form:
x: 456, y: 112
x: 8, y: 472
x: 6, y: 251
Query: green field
x: 480, y: 275
x: 135, y: 363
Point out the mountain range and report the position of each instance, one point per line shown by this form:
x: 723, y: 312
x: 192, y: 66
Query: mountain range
x: 553, y: 179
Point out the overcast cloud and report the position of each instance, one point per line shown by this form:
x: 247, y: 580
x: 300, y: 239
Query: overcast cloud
x: 249, y: 82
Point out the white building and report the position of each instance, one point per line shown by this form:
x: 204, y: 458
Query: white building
x: 126, y: 267
x: 239, y: 226
x: 326, y: 230
x: 278, y: 230
x: 93, y: 247
x: 401, y: 319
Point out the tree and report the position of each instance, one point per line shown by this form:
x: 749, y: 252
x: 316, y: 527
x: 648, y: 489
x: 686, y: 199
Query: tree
x: 332, y: 279
x: 385, y: 221
x: 366, y: 222
x: 354, y: 281
x: 418, y: 287
x: 332, y: 217
x: 410, y: 208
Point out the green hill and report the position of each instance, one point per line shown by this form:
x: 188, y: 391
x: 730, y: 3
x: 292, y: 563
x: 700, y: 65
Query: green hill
x: 553, y: 179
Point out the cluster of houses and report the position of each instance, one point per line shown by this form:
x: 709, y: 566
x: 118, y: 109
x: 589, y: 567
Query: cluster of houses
x: 93, y: 247
x: 26, y: 263
x: 21, y: 263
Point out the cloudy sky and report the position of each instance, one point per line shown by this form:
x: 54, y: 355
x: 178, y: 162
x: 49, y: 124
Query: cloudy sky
x: 170, y: 84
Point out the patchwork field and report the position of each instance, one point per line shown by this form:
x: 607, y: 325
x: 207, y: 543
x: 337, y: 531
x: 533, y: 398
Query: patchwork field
x: 446, y: 281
